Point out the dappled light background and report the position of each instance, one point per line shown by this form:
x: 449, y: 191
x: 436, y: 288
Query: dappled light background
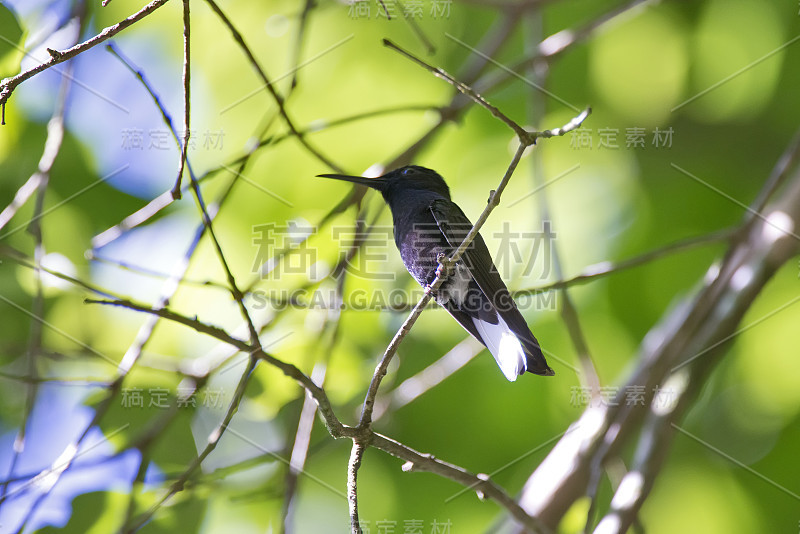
x: 692, y: 105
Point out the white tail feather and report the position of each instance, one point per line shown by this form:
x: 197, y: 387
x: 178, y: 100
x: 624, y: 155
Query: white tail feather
x: 504, y: 346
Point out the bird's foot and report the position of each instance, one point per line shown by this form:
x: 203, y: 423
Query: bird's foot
x: 444, y: 266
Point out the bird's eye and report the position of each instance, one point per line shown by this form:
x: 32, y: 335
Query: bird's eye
x: 406, y: 172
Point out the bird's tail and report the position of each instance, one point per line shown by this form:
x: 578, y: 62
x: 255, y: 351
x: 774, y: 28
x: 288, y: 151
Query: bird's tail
x: 508, y: 351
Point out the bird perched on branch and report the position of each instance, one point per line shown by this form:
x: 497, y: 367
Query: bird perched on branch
x: 427, y: 224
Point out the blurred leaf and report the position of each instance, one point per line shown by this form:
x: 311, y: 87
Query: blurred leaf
x: 93, y: 513
x: 11, y: 39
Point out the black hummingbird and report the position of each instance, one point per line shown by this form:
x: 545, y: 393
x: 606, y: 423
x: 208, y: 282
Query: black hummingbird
x: 427, y: 223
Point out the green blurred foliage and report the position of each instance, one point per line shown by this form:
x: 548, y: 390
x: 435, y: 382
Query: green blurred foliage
x: 648, y: 70
x: 10, y: 52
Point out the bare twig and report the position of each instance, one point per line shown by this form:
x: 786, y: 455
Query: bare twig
x: 21, y: 197
x: 497, y: 36
x: 462, y: 87
x: 415, y: 27
x: 9, y: 84
x: 152, y: 273
x: 299, y: 39
x: 480, y: 483
x: 187, y: 91
x: 780, y: 173
x: 302, y: 441
x: 356, y: 454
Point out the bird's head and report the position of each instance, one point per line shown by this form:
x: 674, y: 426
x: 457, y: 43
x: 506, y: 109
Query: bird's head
x: 408, y: 178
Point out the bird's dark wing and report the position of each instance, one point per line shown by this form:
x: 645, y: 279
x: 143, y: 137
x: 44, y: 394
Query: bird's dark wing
x: 455, y: 226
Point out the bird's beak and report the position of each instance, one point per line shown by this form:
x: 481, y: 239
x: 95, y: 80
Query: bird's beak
x: 375, y: 183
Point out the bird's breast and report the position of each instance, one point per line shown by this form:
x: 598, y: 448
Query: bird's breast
x: 420, y: 257
x: 420, y: 242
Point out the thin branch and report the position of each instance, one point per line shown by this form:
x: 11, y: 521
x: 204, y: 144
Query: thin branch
x: 525, y: 137
x: 560, y: 42
x: 21, y: 197
x: 356, y: 454
x: 133, y: 220
x: 391, y: 350
x: 491, y: 43
x: 187, y: 90
x: 480, y: 483
x: 415, y: 27
x: 163, y: 200
x: 9, y: 84
x: 302, y: 441
x: 463, y: 88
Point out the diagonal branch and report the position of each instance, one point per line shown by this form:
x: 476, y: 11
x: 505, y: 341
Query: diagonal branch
x: 9, y: 84
x: 463, y: 88
x: 480, y: 483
